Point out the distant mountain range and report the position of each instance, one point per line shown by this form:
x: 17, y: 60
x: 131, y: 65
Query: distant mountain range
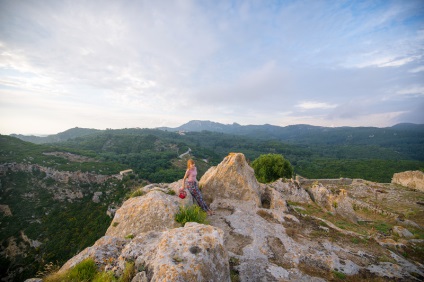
x: 300, y: 134
x: 59, y: 137
x: 303, y: 133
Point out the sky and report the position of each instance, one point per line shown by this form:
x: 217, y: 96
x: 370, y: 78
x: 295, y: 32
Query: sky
x: 124, y: 64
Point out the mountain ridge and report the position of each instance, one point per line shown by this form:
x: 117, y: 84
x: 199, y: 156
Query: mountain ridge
x: 287, y: 133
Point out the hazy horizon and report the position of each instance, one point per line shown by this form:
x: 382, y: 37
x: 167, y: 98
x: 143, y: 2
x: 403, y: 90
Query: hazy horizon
x: 117, y: 64
x: 47, y: 134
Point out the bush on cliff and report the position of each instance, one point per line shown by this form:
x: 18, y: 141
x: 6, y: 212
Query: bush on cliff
x: 271, y: 167
x: 192, y: 213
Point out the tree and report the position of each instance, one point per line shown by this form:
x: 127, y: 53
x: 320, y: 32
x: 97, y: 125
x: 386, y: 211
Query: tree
x: 271, y: 167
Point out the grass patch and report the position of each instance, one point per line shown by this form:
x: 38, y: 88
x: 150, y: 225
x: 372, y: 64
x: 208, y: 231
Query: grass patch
x: 137, y: 193
x: 86, y: 270
x: 105, y: 277
x: 129, y: 272
x: 192, y: 213
x: 171, y: 192
x: 339, y: 275
x: 383, y: 227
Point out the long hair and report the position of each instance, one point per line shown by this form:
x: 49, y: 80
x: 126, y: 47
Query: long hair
x: 189, y: 162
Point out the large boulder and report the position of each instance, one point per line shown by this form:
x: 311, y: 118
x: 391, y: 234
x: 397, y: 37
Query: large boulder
x: 104, y: 250
x: 154, y: 211
x: 322, y: 196
x: 193, y: 253
x: 410, y: 179
x: 232, y: 179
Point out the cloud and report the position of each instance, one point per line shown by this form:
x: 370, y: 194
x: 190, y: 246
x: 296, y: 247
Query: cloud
x: 245, y: 62
x: 416, y: 90
x: 417, y: 69
x: 308, y: 105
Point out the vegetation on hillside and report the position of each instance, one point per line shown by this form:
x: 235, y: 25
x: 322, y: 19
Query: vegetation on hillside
x: 271, y: 167
x: 52, y: 221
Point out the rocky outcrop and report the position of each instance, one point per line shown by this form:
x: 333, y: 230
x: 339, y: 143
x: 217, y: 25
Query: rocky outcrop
x: 410, y: 179
x: 59, y: 176
x: 194, y: 252
x: 252, y: 233
x: 291, y: 191
x: 402, y: 232
x: 153, y: 212
x: 336, y: 203
x: 232, y: 179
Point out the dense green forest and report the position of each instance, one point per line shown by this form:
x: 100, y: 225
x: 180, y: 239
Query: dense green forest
x: 152, y: 153
x: 45, y: 223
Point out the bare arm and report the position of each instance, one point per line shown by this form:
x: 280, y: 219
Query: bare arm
x: 185, y: 176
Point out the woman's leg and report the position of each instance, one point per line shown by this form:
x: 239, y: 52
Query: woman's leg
x: 195, y: 192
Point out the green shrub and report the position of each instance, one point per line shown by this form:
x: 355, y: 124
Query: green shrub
x: 87, y: 271
x: 84, y: 271
x: 192, y: 213
x: 271, y: 167
x: 137, y: 193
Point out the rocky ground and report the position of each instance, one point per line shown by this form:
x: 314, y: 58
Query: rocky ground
x: 283, y: 231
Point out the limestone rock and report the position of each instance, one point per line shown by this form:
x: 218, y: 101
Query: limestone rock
x: 322, y: 196
x: 140, y: 277
x: 291, y: 191
x: 233, y: 178
x: 411, y: 179
x: 272, y: 199
x: 402, y: 232
x: 340, y: 204
x: 154, y: 211
x: 168, y: 188
x: 343, y: 206
x: 193, y: 253
x: 104, y: 250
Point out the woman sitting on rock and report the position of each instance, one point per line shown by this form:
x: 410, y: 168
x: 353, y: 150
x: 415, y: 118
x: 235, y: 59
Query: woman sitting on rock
x: 192, y: 186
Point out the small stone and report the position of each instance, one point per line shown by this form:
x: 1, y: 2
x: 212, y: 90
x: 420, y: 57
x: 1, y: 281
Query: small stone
x: 195, y: 250
x: 402, y: 232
